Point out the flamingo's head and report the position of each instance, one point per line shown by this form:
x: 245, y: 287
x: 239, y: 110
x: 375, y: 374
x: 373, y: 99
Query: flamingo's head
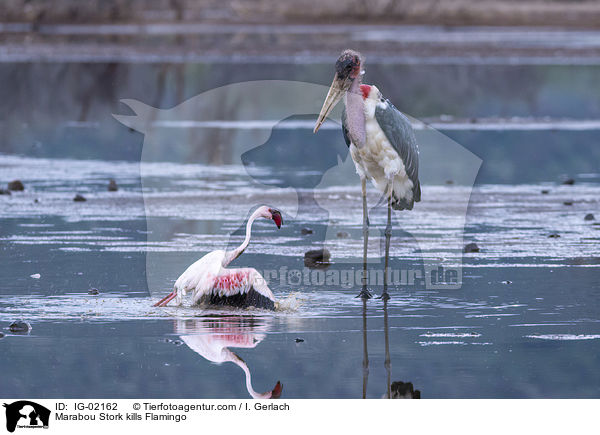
x: 274, y: 394
x: 276, y: 216
x: 270, y: 213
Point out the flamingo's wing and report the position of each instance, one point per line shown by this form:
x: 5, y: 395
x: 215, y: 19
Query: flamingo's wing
x: 242, y: 288
x: 199, y: 278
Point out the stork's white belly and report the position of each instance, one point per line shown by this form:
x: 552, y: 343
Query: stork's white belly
x: 377, y: 160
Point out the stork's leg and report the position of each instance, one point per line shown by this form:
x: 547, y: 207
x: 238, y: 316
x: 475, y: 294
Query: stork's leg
x: 388, y: 234
x: 387, y: 363
x: 364, y: 293
x: 365, y: 362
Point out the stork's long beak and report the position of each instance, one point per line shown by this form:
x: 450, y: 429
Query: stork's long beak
x: 336, y: 91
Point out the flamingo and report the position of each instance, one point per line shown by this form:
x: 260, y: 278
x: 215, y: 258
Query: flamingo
x: 211, y: 282
x: 211, y: 338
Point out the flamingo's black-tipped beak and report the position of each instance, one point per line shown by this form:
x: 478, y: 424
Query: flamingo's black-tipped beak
x: 276, y: 216
x: 276, y: 393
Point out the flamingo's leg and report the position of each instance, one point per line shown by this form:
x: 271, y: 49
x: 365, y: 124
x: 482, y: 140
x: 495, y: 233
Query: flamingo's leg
x: 164, y: 301
x: 364, y: 293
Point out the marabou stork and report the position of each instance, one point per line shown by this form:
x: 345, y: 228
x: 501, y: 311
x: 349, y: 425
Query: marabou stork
x: 210, y: 282
x: 382, y: 144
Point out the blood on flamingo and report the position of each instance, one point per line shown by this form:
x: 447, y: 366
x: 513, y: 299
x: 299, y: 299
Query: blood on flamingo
x: 232, y: 281
x: 244, y: 339
x: 365, y: 89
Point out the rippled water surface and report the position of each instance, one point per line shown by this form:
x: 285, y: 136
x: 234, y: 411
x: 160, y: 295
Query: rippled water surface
x: 525, y: 323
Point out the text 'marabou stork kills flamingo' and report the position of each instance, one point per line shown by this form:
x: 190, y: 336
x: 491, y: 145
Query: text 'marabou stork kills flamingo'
x: 382, y: 144
x: 211, y: 283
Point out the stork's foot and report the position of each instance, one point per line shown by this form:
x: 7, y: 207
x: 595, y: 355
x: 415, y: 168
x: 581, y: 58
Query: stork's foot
x: 364, y: 294
x: 385, y: 296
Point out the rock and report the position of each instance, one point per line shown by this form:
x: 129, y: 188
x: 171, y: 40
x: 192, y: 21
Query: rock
x: 16, y: 185
x: 471, y: 247
x: 404, y: 390
x: 93, y: 291
x: 35, y: 276
x: 568, y: 203
x: 554, y: 236
x: 317, y: 259
x: 569, y: 181
x: 342, y: 235
x: 449, y: 182
x: 112, y: 186
x: 545, y: 192
x: 299, y: 340
x: 79, y: 198
x: 589, y: 217
x: 305, y: 231
x: 5, y: 192
x: 19, y: 327
x: 35, y: 201
x: 1, y: 335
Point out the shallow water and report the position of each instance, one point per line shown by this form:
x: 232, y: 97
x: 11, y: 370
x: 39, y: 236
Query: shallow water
x: 525, y: 322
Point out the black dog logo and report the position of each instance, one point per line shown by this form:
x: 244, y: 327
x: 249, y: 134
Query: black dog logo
x: 26, y: 414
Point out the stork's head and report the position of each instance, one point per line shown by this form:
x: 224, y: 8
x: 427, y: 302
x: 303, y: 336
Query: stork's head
x: 347, y: 70
x: 270, y: 213
x: 347, y: 67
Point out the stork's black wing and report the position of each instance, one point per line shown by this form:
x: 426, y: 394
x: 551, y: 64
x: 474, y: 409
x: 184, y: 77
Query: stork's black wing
x: 345, y: 128
x: 400, y: 134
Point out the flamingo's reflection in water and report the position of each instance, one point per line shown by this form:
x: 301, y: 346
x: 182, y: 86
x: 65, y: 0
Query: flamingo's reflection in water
x: 211, y: 338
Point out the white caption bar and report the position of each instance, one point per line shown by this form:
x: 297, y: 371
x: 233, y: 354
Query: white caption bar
x: 156, y: 416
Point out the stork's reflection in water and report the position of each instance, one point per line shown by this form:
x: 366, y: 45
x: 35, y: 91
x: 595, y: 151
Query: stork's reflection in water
x: 395, y: 389
x: 211, y: 338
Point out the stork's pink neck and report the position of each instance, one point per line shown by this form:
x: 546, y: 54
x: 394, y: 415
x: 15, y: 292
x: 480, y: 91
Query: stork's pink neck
x: 355, y: 114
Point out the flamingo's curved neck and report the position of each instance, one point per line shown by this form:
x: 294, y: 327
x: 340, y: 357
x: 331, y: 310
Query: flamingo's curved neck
x: 232, y: 255
x: 242, y: 364
x: 355, y: 113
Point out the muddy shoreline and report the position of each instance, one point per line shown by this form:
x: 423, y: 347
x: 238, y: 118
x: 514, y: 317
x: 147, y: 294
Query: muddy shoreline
x: 573, y: 14
x: 242, y: 43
